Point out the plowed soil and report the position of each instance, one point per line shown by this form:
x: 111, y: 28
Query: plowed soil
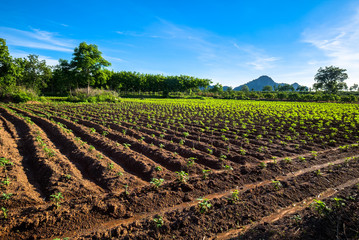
x: 103, y: 161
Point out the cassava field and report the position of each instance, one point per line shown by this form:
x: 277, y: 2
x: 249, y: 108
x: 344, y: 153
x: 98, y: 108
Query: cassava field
x: 179, y: 169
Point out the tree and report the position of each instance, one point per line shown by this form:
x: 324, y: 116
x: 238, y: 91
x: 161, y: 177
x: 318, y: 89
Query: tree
x: 302, y: 89
x: 218, y: 88
x: 62, y: 78
x: 229, y: 89
x: 285, y: 87
x: 35, y: 73
x: 245, y: 88
x: 330, y: 79
x: 8, y: 69
x: 88, y: 62
x: 267, y: 88
x: 354, y: 87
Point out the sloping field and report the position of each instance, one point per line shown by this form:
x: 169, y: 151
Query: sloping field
x: 179, y: 169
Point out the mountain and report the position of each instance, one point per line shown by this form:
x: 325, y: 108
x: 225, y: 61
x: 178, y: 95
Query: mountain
x: 259, y: 83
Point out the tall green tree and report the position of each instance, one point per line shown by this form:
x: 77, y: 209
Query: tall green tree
x: 354, y: 87
x: 245, y: 88
x: 285, y: 88
x: 35, y: 74
x: 330, y: 79
x: 62, y: 78
x: 218, y: 88
x: 8, y: 69
x: 88, y: 62
x: 267, y: 88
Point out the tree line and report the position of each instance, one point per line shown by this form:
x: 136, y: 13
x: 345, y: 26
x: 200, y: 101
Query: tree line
x: 86, y: 69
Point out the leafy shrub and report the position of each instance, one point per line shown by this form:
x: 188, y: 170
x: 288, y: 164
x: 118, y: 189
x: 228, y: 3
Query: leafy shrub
x: 18, y: 94
x: 93, y: 95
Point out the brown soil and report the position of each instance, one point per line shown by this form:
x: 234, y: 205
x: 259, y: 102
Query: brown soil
x: 105, y: 172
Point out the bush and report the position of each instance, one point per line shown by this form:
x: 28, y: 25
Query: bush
x: 350, y: 98
x: 268, y: 96
x: 293, y: 96
x: 94, y: 95
x: 18, y: 94
x: 282, y: 95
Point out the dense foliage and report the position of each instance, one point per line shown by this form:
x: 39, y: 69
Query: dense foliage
x: 331, y: 79
x: 86, y: 69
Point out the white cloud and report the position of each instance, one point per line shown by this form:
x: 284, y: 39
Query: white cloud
x: 114, y: 58
x: 36, y: 39
x: 262, y: 63
x: 339, y: 44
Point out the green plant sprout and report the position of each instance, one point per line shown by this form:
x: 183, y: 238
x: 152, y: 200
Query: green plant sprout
x: 127, y: 145
x: 6, y: 196
x: 242, y: 151
x: 104, y: 133
x: 110, y: 166
x: 338, y: 202
x: 57, y: 198
x: 206, y: 173
x: 4, y: 212
x: 157, y: 182
x: 321, y: 208
x: 223, y: 157
x: 228, y: 167
x: 235, y: 195
x: 287, y: 160
x: 203, y: 205
x: 277, y: 184
x: 318, y: 172
x: 263, y: 165
x: 126, y: 189
x: 191, y: 162
x: 297, y: 218
x: 158, y: 168
x: 4, y: 162
x: 68, y: 177
x: 182, y: 176
x: 185, y: 134
x: 314, y: 154
x: 158, y: 221
x: 91, y: 148
x: 6, y: 182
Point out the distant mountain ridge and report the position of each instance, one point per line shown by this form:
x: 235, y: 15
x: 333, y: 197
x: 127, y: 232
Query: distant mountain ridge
x: 259, y: 83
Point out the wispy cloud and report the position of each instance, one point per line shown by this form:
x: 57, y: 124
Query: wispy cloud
x: 37, y: 39
x: 339, y: 43
x: 113, y: 58
x: 212, y: 49
x: 262, y: 63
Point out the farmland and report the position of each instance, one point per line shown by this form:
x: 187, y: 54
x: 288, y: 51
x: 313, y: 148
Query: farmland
x: 181, y: 169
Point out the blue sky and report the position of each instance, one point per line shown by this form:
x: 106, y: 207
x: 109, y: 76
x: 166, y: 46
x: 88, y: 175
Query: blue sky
x: 230, y: 42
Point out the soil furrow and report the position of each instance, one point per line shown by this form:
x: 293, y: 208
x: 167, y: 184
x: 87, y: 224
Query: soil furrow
x: 233, y: 234
x: 23, y: 192
x: 304, y: 176
x: 167, y: 149
x: 129, y: 160
x: 37, y: 171
x: 261, y: 204
x: 90, y: 168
